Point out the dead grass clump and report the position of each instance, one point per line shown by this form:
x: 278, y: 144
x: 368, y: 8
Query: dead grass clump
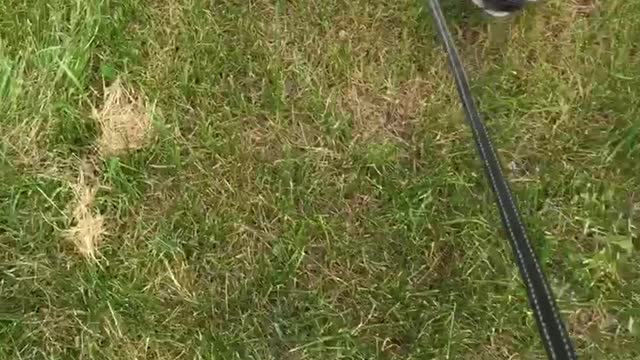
x: 88, y: 228
x: 124, y: 121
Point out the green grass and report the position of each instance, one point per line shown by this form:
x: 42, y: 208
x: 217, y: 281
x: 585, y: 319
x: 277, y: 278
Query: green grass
x: 312, y: 191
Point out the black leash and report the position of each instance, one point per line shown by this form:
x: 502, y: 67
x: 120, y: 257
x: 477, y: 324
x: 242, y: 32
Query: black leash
x: 552, y: 330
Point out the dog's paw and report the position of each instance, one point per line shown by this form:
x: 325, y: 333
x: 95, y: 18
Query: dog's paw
x: 501, y: 8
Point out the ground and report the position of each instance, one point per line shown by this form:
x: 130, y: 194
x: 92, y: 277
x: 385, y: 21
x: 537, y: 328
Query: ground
x: 254, y: 179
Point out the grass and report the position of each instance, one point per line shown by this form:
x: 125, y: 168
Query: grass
x: 308, y: 188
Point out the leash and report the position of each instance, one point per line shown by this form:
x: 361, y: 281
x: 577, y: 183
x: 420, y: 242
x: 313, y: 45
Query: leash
x: 550, y: 326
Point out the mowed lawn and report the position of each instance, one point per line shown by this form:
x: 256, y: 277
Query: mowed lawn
x: 270, y: 179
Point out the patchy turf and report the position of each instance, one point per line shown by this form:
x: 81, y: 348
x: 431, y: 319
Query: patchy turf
x: 294, y: 180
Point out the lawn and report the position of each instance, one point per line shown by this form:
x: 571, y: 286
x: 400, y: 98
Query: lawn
x: 270, y: 179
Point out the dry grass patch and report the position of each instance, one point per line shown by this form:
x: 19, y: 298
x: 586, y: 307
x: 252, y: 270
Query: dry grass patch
x: 591, y: 322
x: 88, y: 228
x: 125, y: 125
x: 24, y: 142
x: 124, y: 121
x: 500, y: 347
x: 391, y: 113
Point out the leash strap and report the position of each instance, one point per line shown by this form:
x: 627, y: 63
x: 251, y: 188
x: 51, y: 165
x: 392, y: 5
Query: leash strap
x: 550, y: 325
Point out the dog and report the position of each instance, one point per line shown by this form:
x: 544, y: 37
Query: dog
x: 500, y: 8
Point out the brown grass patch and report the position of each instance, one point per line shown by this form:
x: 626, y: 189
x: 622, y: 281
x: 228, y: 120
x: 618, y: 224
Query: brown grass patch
x: 23, y: 140
x: 26, y: 143
x: 590, y: 322
x: 88, y: 228
x: 393, y: 112
x: 124, y: 121
x: 500, y: 347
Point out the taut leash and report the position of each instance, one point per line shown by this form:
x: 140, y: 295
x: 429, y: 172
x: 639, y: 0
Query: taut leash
x: 552, y: 330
